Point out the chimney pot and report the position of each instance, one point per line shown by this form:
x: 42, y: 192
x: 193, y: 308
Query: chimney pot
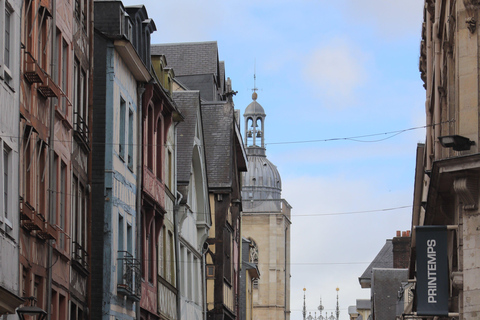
x: 398, y: 233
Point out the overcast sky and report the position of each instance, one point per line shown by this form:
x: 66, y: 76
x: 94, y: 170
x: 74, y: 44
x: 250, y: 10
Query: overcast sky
x: 326, y: 71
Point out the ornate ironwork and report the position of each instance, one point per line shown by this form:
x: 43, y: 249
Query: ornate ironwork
x: 130, y: 281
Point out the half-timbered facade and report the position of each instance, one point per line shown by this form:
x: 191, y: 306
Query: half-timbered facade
x: 121, y: 72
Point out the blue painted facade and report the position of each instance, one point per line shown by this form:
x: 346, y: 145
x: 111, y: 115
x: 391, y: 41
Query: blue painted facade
x: 120, y: 74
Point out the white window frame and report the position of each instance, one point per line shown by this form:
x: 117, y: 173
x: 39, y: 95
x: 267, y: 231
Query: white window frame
x: 6, y: 168
x: 5, y: 71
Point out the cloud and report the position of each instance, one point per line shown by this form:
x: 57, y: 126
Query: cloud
x: 335, y: 70
x: 337, y: 248
x: 391, y: 19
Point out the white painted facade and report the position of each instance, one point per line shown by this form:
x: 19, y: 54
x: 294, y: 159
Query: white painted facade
x: 10, y: 12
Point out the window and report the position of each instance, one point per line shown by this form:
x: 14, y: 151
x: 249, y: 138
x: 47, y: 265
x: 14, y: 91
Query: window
x: 7, y: 43
x: 151, y: 253
x: 170, y: 169
x: 42, y: 38
x: 121, y: 129
x: 80, y: 101
x: 210, y: 271
x: 159, y: 148
x: 64, y: 73
x: 130, y: 139
x: 228, y: 261
x: 6, y: 57
x: 41, y: 191
x: 150, y: 133
x: 161, y: 252
x: 120, y: 241
x: 79, y: 222
x: 61, y: 194
x: 6, y: 202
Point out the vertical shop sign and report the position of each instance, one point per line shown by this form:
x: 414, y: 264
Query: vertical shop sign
x: 432, y: 271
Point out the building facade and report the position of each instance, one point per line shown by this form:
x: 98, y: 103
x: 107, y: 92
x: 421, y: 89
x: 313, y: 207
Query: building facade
x: 447, y: 170
x: 160, y: 117
x: 266, y: 220
x: 197, y: 67
x: 55, y: 111
x: 9, y: 145
x: 166, y: 168
x: 121, y: 261
x: 193, y: 211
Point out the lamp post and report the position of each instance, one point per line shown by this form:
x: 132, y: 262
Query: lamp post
x: 31, y: 312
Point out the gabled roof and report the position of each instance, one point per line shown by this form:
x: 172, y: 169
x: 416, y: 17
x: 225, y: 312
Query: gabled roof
x: 221, y: 143
x: 190, y: 58
x: 384, y: 259
x: 385, y: 285
x: 189, y: 103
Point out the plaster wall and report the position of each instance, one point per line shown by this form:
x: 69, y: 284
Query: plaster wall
x: 9, y: 131
x: 120, y: 182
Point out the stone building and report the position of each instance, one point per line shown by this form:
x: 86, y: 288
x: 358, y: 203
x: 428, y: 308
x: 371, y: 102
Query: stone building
x: 9, y: 147
x: 265, y: 220
x: 447, y: 166
x: 249, y: 277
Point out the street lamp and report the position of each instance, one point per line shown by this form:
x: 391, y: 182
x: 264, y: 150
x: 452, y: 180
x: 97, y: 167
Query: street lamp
x: 458, y: 143
x: 31, y: 311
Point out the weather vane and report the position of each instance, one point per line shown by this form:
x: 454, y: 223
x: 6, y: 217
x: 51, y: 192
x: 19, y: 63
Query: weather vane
x: 255, y: 89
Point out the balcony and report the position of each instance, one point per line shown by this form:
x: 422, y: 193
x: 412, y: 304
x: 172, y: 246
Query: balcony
x: 49, y: 88
x: 81, y: 130
x: 79, y: 258
x: 48, y: 232
x: 33, y: 71
x: 29, y: 219
x: 129, y: 276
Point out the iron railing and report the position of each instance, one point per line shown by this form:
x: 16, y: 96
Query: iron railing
x: 81, y: 128
x: 129, y: 279
x: 79, y: 255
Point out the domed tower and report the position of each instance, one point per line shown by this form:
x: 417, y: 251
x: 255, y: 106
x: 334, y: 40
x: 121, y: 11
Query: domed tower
x: 262, y: 180
x: 266, y: 220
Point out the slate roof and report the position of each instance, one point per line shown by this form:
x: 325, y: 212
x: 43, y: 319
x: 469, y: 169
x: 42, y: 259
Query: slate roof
x: 384, y: 259
x: 218, y: 131
x: 190, y: 58
x: 189, y: 103
x: 364, y: 304
x: 385, y: 286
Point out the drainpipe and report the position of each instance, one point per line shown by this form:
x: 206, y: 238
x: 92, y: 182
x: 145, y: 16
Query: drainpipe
x: 429, y: 149
x: 176, y: 208
x: 437, y: 115
x: 286, y: 275
x: 138, y: 202
x: 51, y: 162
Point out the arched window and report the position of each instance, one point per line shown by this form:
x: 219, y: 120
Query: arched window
x: 150, y: 133
x: 159, y: 149
x: 250, y: 132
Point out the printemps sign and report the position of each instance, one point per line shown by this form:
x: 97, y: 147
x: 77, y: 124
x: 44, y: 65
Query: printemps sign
x: 432, y: 271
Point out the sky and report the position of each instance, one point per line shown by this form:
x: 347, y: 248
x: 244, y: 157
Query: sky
x: 340, y: 85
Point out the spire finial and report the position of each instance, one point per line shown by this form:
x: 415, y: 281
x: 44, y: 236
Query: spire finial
x: 255, y: 89
x: 337, y: 311
x: 304, y: 312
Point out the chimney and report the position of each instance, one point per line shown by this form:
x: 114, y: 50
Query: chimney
x: 401, y: 250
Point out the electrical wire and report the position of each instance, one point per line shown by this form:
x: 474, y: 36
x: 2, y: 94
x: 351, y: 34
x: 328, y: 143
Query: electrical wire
x: 358, y: 138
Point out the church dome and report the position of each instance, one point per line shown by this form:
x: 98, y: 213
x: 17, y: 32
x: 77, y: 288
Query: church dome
x: 254, y: 108
x: 262, y: 180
